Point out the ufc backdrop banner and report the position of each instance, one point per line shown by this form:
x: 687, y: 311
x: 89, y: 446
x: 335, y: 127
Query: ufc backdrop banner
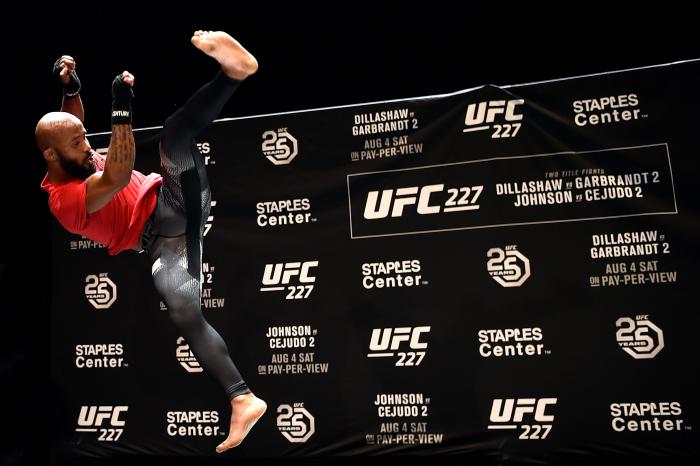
x: 503, y: 273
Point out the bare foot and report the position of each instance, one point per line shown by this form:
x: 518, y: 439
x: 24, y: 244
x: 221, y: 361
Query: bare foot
x: 236, y: 62
x: 246, y: 410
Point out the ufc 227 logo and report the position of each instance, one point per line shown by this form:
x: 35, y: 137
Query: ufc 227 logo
x: 482, y: 116
x: 107, y: 420
x: 511, y: 413
x: 279, y: 146
x: 508, y: 266
x: 100, y: 291
x: 295, y: 423
x: 385, y: 342
x: 393, y: 201
x: 639, y: 337
x: 279, y: 277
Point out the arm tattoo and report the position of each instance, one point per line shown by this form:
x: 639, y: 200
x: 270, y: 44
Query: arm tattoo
x: 121, y: 153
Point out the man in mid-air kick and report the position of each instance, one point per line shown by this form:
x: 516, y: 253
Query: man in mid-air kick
x: 162, y: 215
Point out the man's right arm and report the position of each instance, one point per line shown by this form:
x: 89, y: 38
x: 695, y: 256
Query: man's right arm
x: 101, y: 187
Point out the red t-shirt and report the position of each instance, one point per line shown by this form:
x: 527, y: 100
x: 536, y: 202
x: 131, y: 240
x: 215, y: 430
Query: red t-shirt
x: 117, y: 225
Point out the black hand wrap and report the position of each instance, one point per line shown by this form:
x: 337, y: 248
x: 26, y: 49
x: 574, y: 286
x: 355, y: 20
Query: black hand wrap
x: 121, y: 101
x: 73, y: 87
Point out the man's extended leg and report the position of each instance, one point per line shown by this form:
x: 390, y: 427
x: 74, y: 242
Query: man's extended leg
x: 183, y: 207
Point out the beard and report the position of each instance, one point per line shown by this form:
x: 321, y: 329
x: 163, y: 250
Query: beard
x: 76, y: 169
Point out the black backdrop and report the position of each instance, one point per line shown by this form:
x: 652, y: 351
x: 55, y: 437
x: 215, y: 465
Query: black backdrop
x: 311, y: 56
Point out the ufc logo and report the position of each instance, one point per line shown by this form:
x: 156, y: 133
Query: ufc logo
x: 94, y: 416
x: 486, y: 112
x: 280, y: 274
x: 513, y: 410
x: 460, y: 198
x: 391, y: 338
x: 403, y: 197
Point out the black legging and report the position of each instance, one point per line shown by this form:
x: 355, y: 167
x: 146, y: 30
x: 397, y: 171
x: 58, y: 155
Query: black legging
x: 173, y: 235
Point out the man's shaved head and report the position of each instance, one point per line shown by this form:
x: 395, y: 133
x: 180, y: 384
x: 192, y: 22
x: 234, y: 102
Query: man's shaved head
x: 61, y: 139
x: 53, y: 128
